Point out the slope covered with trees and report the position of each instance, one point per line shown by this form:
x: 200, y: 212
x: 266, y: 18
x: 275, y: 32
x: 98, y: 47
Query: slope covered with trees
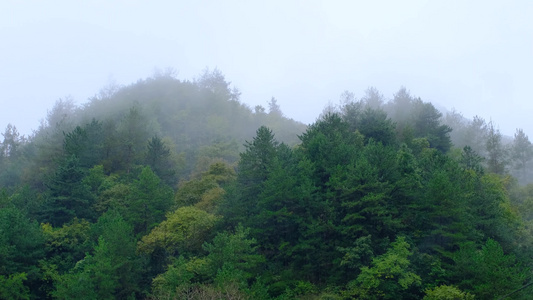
x: 169, y: 189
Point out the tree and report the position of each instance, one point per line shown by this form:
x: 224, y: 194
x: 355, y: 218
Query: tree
x: 496, y: 152
x: 121, y: 248
x: 367, y: 199
x: 205, y: 192
x: 253, y: 170
x: 68, y: 196
x: 373, y: 98
x: 521, y: 154
x: 283, y: 209
x: 86, y: 143
x: 93, y: 278
x: 230, y: 264
x: 487, y: 272
x: 12, y: 141
x: 400, y: 106
x: 183, y: 232
x: 375, y: 125
x: 11, y: 157
x: 470, y: 160
x: 215, y: 82
x: 133, y: 134
x: 158, y: 157
x: 236, y: 251
x: 447, y: 292
x: 67, y: 245
x: 427, y: 125
x: 111, y: 271
x: 476, y: 135
x: 21, y: 248
x: 12, y: 287
x: 148, y: 201
x: 273, y: 108
x: 388, y: 277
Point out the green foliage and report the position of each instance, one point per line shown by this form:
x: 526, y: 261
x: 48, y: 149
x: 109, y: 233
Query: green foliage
x: 487, y: 272
x: 231, y: 263
x: 521, y: 155
x: 148, y: 201
x: 174, y: 282
x: 11, y: 156
x: 86, y: 143
x: 235, y: 251
x: 66, y: 245
x: 12, y: 287
x: 389, y: 275
x: 184, y: 231
x: 497, y: 155
x: 21, y: 248
x: 205, y: 192
x: 158, y: 157
x: 68, y: 197
x: 418, y: 119
x: 470, y: 160
x: 21, y: 243
x: 121, y: 247
x: 93, y: 277
x: 446, y: 292
x: 28, y: 200
x: 253, y: 170
x: 320, y: 214
x: 111, y: 272
x: 357, y: 255
x: 133, y: 132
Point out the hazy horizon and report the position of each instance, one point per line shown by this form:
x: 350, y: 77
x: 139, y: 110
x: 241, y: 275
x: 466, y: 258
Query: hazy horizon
x: 472, y: 56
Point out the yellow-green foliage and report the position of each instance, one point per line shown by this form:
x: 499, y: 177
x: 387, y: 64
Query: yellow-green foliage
x: 69, y: 235
x: 184, y: 230
x: 445, y: 292
x: 205, y: 192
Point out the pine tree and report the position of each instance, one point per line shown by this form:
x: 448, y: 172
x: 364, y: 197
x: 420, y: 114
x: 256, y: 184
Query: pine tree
x: 521, y: 155
x: 158, y: 158
x: 148, y: 201
x: 496, y: 151
x: 68, y: 196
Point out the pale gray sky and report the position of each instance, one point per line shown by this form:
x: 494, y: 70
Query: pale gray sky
x: 474, y: 56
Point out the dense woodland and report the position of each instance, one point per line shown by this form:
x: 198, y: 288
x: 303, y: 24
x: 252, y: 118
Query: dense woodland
x: 169, y: 189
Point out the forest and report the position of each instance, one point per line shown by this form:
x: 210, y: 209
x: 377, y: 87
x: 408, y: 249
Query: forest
x: 175, y: 189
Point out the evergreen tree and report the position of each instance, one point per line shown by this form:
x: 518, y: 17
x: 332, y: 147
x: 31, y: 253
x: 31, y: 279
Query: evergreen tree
x: 86, y: 143
x: 158, y: 158
x: 389, y: 276
x: 521, y: 154
x: 427, y: 124
x: 476, y: 135
x: 133, y: 134
x: 121, y: 247
x: 253, y: 170
x: 148, y: 201
x: 10, y: 147
x: 488, y: 272
x: 21, y: 248
x: 68, y: 196
x: 496, y: 151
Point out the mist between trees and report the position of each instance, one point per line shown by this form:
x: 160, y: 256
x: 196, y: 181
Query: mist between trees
x: 169, y: 189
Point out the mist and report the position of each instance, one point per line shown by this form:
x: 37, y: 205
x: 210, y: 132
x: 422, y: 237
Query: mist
x: 266, y: 151
x: 474, y: 57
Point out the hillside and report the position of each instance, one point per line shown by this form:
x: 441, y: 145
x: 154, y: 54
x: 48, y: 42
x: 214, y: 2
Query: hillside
x: 169, y: 189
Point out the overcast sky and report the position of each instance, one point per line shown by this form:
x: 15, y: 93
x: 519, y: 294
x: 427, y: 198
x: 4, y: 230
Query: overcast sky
x: 474, y: 56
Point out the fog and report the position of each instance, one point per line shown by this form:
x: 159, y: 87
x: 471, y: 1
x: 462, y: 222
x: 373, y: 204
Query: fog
x: 473, y: 56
